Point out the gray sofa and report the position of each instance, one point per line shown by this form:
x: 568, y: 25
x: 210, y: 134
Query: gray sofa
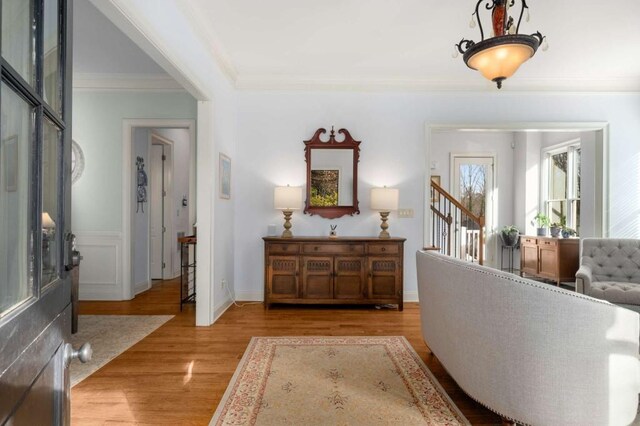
x: 531, y: 352
x: 610, y: 270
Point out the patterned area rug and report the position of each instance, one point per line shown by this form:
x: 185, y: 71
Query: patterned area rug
x: 334, y: 380
x: 109, y: 335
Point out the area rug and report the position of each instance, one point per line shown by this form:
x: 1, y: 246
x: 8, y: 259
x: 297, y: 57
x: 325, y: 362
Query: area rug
x: 334, y: 381
x: 109, y: 335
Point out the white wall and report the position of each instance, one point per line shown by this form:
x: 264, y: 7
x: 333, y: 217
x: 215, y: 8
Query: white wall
x: 391, y: 126
x: 97, y: 196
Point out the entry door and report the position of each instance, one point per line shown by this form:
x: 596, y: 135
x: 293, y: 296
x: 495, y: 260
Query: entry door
x: 473, y: 187
x: 35, y: 219
x: 156, y: 212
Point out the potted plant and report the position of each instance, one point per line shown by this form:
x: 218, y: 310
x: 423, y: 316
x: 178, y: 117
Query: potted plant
x: 543, y: 221
x: 510, y: 235
x: 555, y: 229
x: 568, y: 232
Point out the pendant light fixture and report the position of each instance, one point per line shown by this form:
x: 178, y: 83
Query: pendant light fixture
x: 499, y: 57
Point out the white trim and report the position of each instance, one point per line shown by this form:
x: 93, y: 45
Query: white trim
x: 410, y: 296
x: 127, y: 184
x: 249, y: 296
x: 168, y: 203
x: 364, y: 83
x: 130, y: 22
x: 141, y: 287
x: 602, y: 175
x: 220, y: 310
x: 102, y: 287
x: 207, y: 34
x: 95, y: 82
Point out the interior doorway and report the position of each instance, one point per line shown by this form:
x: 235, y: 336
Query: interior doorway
x: 160, y: 195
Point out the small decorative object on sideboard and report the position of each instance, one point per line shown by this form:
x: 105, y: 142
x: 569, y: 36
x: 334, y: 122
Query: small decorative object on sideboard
x: 568, y: 232
x: 555, y: 229
x: 510, y: 235
x: 333, y: 233
x: 543, y: 222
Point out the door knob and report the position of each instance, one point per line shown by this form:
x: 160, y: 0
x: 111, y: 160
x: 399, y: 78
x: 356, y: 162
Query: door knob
x: 83, y: 354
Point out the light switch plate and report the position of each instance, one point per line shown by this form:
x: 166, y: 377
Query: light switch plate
x: 405, y: 213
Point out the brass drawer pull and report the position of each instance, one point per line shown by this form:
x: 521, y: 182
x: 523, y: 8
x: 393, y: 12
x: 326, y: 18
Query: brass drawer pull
x: 383, y: 249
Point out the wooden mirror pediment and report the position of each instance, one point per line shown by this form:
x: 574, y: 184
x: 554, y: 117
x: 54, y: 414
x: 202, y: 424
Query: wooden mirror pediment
x: 332, y: 175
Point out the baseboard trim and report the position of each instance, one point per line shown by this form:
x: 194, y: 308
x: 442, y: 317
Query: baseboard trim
x: 411, y: 296
x: 220, y: 310
x: 249, y: 296
x: 141, y: 287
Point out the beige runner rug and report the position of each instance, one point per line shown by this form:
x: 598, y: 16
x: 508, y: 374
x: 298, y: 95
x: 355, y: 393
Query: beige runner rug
x: 334, y: 381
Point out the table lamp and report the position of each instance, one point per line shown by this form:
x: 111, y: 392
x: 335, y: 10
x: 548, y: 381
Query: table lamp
x: 287, y: 198
x: 385, y: 200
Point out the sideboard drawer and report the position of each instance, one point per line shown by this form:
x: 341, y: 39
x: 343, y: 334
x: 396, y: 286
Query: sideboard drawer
x: 333, y: 248
x: 547, y: 243
x: 284, y: 248
x: 383, y: 248
x: 529, y: 240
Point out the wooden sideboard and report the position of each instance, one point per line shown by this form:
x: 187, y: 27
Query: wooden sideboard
x: 321, y: 270
x: 551, y: 258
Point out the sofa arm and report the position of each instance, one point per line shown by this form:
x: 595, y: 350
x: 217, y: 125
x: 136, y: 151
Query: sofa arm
x: 583, y: 279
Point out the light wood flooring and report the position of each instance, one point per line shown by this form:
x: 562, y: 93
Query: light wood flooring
x: 178, y: 374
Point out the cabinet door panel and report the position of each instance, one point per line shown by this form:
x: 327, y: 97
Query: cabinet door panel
x: 349, y: 279
x: 548, y: 262
x: 384, y: 278
x: 317, y: 277
x: 283, y: 276
x: 529, y: 262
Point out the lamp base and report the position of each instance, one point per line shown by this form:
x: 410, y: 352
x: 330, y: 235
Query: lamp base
x: 287, y: 224
x: 384, y: 216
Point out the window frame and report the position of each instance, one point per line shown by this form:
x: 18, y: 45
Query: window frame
x: 572, y: 199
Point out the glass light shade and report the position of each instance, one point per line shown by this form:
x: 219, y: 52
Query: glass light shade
x: 287, y: 198
x: 500, y: 62
x: 384, y: 199
x: 47, y: 222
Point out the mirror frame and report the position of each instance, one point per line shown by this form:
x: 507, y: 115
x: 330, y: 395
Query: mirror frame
x: 332, y: 212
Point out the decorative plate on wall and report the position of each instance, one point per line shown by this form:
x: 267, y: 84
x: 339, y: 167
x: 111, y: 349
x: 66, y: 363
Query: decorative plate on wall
x: 77, y: 161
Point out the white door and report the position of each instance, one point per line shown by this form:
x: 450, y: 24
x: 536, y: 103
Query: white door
x: 473, y: 186
x: 156, y: 212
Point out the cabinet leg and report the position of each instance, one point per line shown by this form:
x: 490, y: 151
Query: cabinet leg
x: 400, y: 306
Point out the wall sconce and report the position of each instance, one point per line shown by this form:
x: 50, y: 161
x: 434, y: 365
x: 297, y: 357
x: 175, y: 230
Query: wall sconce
x: 287, y: 198
x: 385, y: 200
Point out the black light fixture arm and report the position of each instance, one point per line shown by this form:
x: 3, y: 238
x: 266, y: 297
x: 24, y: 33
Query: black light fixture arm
x: 524, y: 6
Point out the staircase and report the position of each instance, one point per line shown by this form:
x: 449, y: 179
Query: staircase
x: 455, y: 231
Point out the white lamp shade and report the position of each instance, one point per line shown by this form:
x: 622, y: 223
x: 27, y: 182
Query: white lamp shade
x: 47, y: 222
x: 287, y: 198
x: 384, y: 199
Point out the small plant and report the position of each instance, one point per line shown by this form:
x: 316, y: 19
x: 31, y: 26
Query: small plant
x: 510, y: 235
x: 542, y: 220
x: 568, y: 232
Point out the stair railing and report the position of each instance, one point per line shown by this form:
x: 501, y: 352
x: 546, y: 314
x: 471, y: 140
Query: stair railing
x: 455, y: 230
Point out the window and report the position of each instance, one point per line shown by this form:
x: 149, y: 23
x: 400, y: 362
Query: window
x: 561, y: 184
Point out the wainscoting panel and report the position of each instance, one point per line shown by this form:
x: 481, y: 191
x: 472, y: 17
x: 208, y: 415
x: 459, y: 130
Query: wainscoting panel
x: 101, y: 266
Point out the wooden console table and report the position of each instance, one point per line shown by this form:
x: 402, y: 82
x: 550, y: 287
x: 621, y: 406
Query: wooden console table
x: 551, y: 258
x: 321, y: 270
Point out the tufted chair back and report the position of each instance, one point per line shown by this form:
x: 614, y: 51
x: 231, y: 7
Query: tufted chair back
x: 611, y: 259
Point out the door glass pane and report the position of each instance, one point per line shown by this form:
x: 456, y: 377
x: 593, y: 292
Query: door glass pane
x: 51, y: 60
x: 50, y: 207
x: 473, y: 191
x: 18, y: 37
x: 16, y: 260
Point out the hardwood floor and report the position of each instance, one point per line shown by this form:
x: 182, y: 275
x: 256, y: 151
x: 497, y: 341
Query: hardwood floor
x: 178, y: 374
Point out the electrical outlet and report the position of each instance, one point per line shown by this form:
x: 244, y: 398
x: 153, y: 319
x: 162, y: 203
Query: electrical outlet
x: 405, y: 213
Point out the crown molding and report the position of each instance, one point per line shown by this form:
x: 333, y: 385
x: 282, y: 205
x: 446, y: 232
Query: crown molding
x: 125, y: 82
x: 472, y: 83
x: 210, y: 38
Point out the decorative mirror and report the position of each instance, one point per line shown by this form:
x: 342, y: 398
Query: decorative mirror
x: 332, y: 175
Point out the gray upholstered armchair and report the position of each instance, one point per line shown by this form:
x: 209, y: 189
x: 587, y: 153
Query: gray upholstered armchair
x: 610, y: 270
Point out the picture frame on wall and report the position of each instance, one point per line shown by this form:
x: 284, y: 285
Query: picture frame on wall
x: 225, y: 177
x: 10, y: 146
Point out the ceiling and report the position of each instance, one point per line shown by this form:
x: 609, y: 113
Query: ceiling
x: 363, y: 44
x: 100, y: 48
x: 410, y: 43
